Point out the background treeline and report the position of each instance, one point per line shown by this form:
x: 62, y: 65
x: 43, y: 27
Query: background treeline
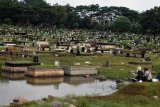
x: 116, y: 19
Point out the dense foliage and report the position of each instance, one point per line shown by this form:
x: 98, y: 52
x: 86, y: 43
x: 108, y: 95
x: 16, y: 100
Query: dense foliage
x: 122, y: 24
x: 40, y: 13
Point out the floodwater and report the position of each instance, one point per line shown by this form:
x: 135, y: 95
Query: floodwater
x: 15, y: 85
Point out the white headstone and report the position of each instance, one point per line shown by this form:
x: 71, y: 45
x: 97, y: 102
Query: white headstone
x: 69, y: 50
x: 56, y: 63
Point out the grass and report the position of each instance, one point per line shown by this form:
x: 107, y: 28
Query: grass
x: 134, y: 95
x: 22, y: 61
x: 118, y: 69
x: 115, y: 72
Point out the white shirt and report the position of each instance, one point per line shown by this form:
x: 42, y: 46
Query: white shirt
x: 148, y: 75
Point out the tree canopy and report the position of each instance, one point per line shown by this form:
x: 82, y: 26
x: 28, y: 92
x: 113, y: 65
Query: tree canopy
x: 122, y: 24
x: 40, y: 13
x: 151, y: 21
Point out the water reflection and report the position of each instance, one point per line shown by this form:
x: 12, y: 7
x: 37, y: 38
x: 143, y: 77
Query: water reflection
x: 13, y: 76
x: 44, y: 81
x: 36, y: 88
x: 77, y: 80
x: 3, y: 80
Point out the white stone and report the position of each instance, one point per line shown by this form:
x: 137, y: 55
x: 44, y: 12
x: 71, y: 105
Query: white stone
x: 122, y: 63
x: 155, y: 97
x: 77, y: 63
x: 56, y: 63
x: 56, y: 55
x: 87, y: 62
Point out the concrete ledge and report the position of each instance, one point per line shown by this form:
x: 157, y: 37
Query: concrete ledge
x: 21, y: 64
x: 42, y: 72
x: 14, y: 69
x: 75, y: 71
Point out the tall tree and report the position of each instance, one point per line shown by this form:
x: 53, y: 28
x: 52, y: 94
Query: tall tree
x: 85, y: 23
x: 122, y: 24
x: 72, y: 19
x: 151, y: 21
x: 36, y: 3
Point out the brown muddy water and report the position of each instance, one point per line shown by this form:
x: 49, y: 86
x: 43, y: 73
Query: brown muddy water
x: 15, y: 85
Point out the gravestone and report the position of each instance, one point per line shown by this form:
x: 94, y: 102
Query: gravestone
x: 83, y: 49
x: 111, y: 51
x: 114, y: 52
x: 107, y: 63
x: 57, y: 63
x: 102, y: 51
x: 127, y: 54
x: 71, y: 51
x: 35, y: 57
x: 147, y: 59
x: 78, y: 52
x: 88, y: 50
x: 143, y: 53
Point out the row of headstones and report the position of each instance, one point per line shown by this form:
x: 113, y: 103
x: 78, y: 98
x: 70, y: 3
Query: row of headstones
x: 83, y: 49
x: 142, y: 38
x: 127, y: 54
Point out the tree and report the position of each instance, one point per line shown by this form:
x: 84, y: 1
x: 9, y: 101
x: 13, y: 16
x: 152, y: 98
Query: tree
x: 121, y: 24
x: 96, y: 25
x: 75, y: 25
x: 151, y: 21
x: 72, y: 19
x: 62, y: 15
x: 136, y: 27
x: 85, y: 22
x: 36, y: 3
x: 94, y: 7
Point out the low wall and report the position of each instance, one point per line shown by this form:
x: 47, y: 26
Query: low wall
x: 14, y: 69
x: 140, y: 63
x: 41, y: 72
x: 75, y: 71
x: 11, y: 64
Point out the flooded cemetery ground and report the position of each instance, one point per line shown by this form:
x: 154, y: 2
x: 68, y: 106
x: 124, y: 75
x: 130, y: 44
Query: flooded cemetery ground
x: 38, y: 57
x: 14, y: 85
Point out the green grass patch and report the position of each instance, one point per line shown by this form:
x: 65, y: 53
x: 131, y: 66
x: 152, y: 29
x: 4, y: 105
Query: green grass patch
x: 46, y: 66
x: 134, y: 95
x: 18, y: 62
